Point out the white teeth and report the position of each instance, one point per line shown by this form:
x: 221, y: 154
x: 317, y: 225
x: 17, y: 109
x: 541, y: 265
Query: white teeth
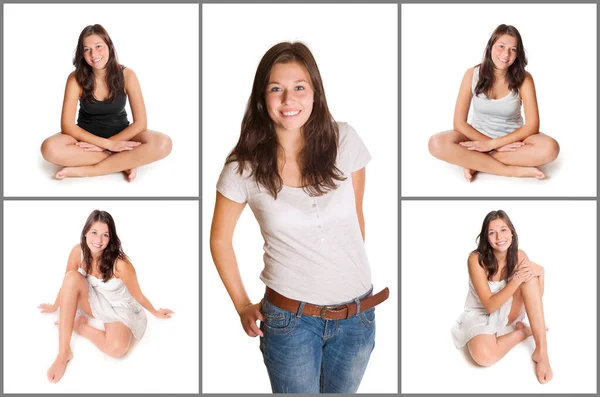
x: 292, y: 113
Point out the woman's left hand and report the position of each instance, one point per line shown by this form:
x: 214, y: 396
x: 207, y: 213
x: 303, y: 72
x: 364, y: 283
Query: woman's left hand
x: 530, y: 269
x: 88, y: 147
x: 163, y: 313
x: 479, y: 146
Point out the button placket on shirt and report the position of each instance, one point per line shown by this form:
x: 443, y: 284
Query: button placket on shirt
x: 318, y: 219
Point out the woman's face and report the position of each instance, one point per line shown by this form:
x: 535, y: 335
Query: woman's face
x: 504, y: 52
x: 289, y: 96
x: 499, y: 235
x: 95, y: 52
x: 97, y: 237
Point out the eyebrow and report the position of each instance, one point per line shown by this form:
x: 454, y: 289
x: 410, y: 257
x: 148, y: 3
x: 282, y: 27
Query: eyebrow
x: 501, y: 42
x: 98, y: 42
x: 297, y: 81
x: 96, y: 230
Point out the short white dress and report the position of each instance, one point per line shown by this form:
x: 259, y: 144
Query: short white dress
x: 111, y: 302
x: 475, y: 320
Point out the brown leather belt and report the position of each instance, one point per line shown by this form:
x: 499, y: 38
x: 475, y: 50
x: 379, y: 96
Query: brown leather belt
x: 338, y: 312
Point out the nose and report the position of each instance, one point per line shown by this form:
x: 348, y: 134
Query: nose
x: 287, y: 96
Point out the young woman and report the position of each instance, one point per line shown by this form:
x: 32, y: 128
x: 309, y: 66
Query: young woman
x: 303, y: 176
x: 100, y: 282
x: 502, y: 281
x: 102, y: 142
x: 497, y: 140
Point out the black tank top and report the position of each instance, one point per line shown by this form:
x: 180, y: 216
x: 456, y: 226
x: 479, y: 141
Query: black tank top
x: 103, y: 118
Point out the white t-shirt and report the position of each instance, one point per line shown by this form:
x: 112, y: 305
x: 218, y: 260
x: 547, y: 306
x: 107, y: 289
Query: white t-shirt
x: 314, y: 250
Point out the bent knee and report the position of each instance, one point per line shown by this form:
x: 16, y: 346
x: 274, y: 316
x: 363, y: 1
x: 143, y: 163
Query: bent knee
x: 482, y: 355
x: 436, y: 146
x: 549, y: 151
x: 73, y: 277
x: 49, y: 152
x: 118, y: 349
x: 162, y: 145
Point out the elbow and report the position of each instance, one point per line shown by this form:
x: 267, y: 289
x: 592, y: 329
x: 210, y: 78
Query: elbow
x: 459, y: 126
x: 489, y: 308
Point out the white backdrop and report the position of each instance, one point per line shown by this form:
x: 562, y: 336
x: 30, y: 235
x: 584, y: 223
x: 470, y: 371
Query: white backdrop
x: 161, y: 240
x: 437, y: 237
x: 440, y: 42
x: 356, y: 49
x: 159, y: 42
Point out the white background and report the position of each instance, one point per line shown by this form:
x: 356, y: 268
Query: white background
x: 160, y: 238
x: 437, y: 237
x: 440, y: 42
x: 159, y: 42
x: 356, y: 49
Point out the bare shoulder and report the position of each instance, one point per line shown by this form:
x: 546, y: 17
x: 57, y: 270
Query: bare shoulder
x: 123, y: 266
x: 474, y: 257
x: 469, y: 72
x: 128, y: 72
x: 72, y: 82
x: 521, y: 256
x: 76, y: 250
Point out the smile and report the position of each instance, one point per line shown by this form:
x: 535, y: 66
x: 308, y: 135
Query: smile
x: 503, y: 60
x: 501, y: 243
x: 96, y: 60
x: 290, y: 113
x: 97, y: 245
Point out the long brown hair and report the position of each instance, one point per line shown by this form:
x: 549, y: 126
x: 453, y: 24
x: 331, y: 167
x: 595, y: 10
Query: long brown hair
x: 487, y: 259
x: 84, y: 74
x: 111, y: 253
x: 515, y: 75
x: 258, y: 144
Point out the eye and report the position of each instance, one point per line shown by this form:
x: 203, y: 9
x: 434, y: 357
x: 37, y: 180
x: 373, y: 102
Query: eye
x: 106, y: 235
x: 299, y: 88
x: 98, y: 46
x: 94, y: 233
x: 275, y: 89
x: 86, y: 49
x: 514, y: 50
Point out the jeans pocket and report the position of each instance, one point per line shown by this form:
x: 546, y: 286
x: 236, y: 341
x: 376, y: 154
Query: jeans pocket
x: 367, y: 318
x: 276, y: 320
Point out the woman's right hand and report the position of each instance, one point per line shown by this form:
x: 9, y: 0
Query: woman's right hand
x: 47, y: 308
x: 248, y: 316
x: 88, y: 147
x: 121, y: 146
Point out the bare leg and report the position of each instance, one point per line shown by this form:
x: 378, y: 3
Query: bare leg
x: 60, y: 149
x: 73, y: 292
x: 539, y: 149
x: 114, y: 341
x: 486, y: 350
x: 155, y: 146
x: 445, y: 146
x: 532, y: 297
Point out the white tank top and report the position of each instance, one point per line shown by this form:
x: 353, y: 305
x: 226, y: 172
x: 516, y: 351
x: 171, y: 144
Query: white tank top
x: 495, y: 117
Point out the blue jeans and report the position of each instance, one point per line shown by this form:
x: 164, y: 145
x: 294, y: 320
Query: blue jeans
x: 305, y: 354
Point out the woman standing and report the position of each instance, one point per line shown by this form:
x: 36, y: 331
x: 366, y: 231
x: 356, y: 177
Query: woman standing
x: 497, y: 140
x: 102, y: 141
x: 303, y: 176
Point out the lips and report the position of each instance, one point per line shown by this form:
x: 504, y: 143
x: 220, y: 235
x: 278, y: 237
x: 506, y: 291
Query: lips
x: 290, y: 113
x: 96, y: 60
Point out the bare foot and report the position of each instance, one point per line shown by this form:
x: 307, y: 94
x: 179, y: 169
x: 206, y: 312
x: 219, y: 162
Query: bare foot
x: 130, y: 174
x: 79, y: 321
x: 521, y: 326
x: 542, y: 367
x: 69, y: 172
x: 529, y: 172
x: 57, y: 369
x: 469, y: 174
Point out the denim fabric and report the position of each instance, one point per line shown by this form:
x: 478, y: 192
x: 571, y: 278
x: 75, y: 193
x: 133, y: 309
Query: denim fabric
x: 305, y: 354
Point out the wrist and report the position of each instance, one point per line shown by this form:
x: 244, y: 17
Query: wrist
x: 240, y: 308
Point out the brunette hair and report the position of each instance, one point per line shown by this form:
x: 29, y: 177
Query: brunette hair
x: 487, y: 259
x: 258, y: 145
x: 111, y: 253
x: 515, y: 75
x: 84, y: 74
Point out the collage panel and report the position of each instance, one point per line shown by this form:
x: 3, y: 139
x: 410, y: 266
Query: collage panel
x: 478, y: 86
x: 99, y: 95
x: 306, y: 248
x: 467, y: 320
x: 138, y: 329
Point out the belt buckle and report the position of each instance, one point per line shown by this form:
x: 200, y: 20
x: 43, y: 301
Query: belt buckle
x: 334, y: 309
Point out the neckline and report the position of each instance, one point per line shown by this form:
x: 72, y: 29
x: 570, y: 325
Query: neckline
x: 110, y: 279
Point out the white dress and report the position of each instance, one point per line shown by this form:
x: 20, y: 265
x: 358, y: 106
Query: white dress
x: 111, y: 302
x: 475, y: 320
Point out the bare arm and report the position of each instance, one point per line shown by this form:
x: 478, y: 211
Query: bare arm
x: 358, y: 183
x: 138, y: 108
x: 226, y: 215
x: 461, y: 110
x: 529, y: 269
x: 72, y: 264
x: 67, y: 120
x: 491, y: 302
x: 126, y: 272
